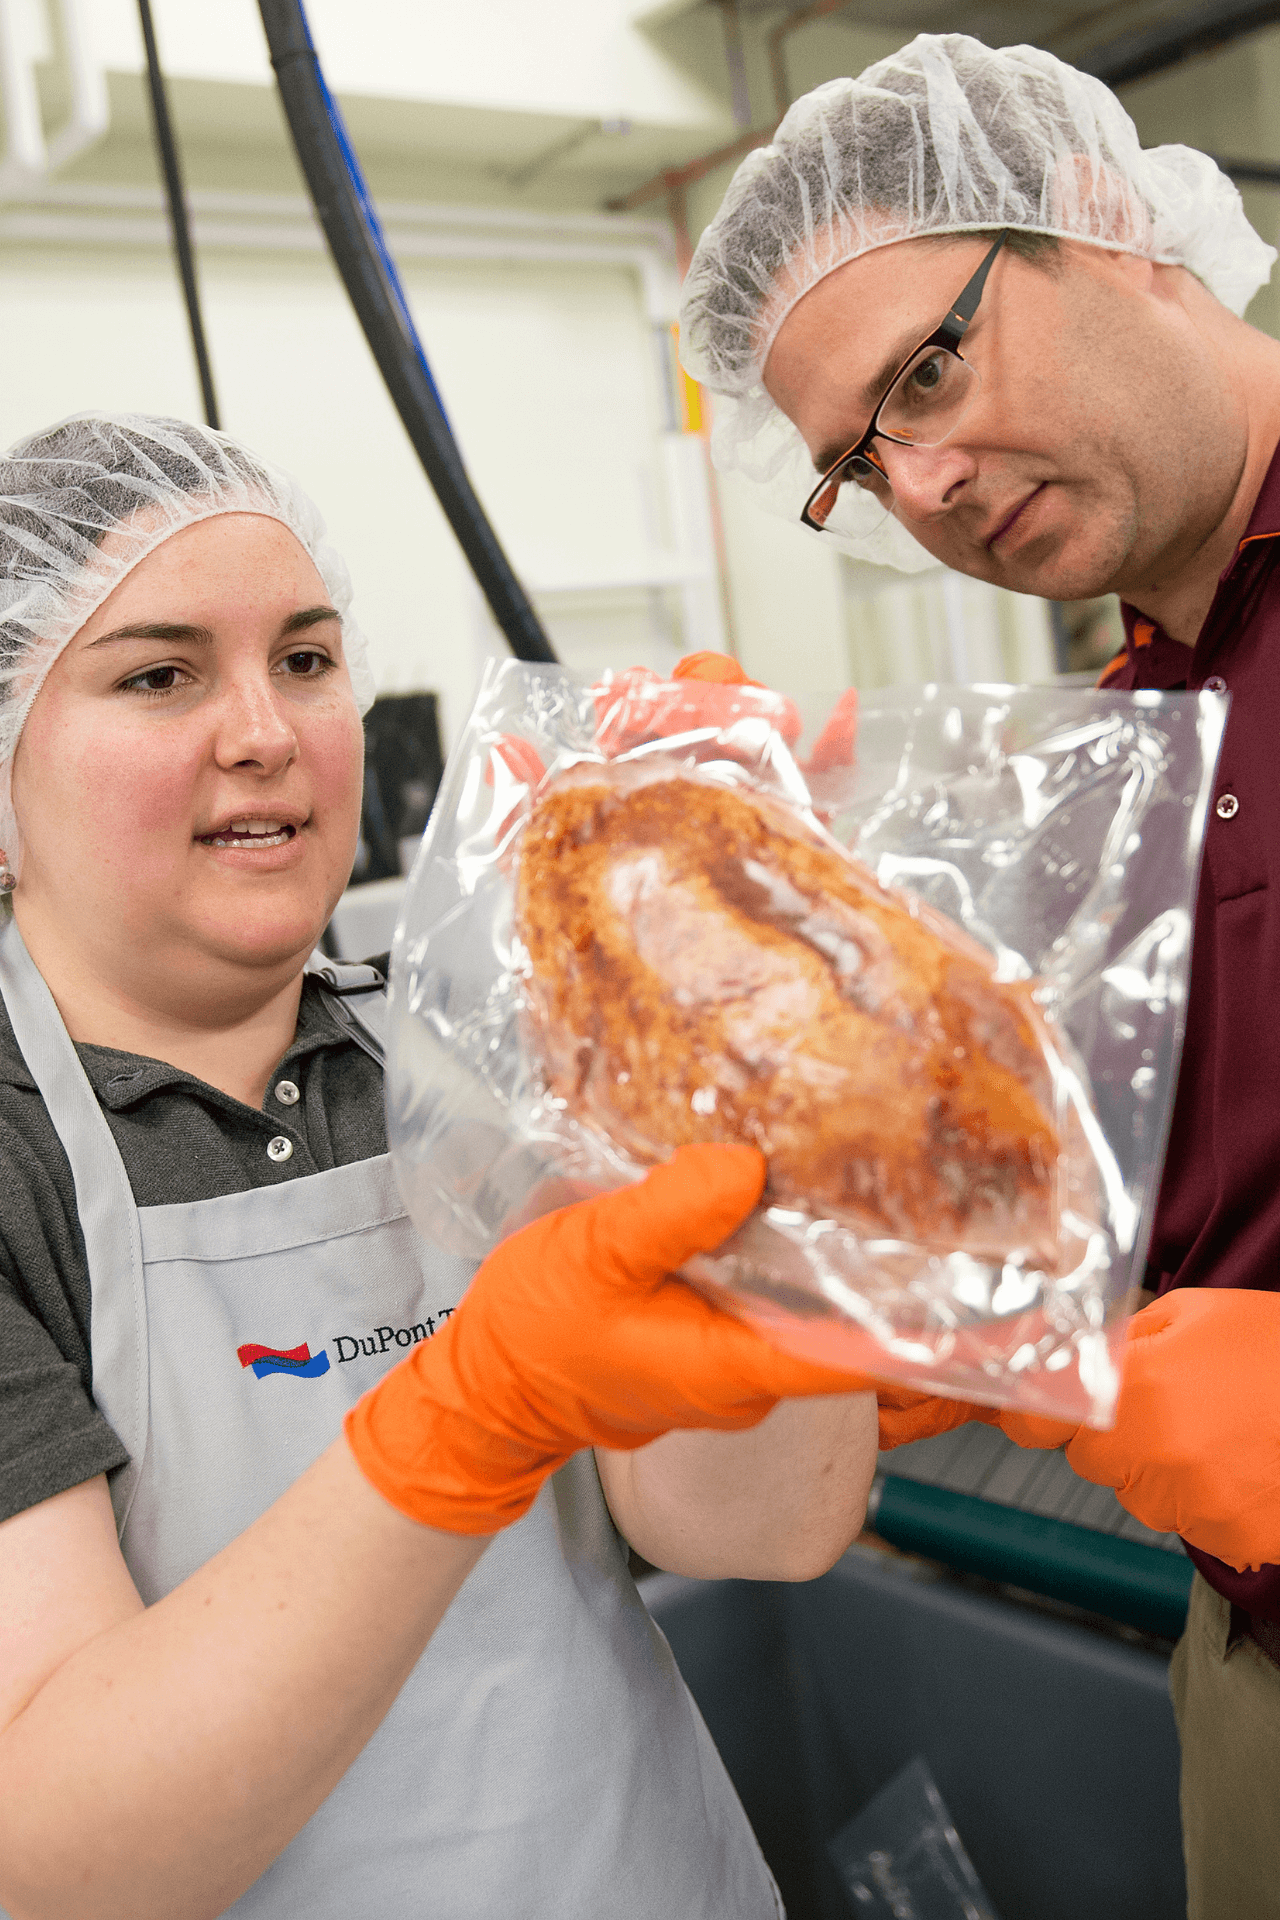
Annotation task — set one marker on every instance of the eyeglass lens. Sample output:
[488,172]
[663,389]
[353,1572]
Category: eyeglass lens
[928,399]
[922,408]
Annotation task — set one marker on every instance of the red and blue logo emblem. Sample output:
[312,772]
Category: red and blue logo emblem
[298,1361]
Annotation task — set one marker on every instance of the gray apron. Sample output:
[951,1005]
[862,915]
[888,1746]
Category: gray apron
[544,1758]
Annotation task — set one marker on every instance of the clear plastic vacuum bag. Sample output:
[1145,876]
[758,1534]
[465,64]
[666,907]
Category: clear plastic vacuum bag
[902,1859]
[940,988]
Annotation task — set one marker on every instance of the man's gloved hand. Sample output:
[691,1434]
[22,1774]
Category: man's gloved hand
[907,1415]
[574,1333]
[1196,1445]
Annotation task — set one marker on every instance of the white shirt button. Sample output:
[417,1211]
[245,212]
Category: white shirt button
[279,1149]
[1215,684]
[287,1093]
[1228,806]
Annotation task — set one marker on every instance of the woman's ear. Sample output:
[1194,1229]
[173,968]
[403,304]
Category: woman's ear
[10,838]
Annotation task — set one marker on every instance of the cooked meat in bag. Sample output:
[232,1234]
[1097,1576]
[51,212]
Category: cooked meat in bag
[703,965]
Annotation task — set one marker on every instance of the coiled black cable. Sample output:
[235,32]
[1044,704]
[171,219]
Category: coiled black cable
[355,240]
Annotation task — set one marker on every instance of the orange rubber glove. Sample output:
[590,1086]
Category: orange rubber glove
[1036,1429]
[907,1415]
[636,706]
[705,690]
[834,746]
[574,1333]
[1196,1445]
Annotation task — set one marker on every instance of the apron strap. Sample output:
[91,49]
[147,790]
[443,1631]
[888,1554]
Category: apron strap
[104,1201]
[357,998]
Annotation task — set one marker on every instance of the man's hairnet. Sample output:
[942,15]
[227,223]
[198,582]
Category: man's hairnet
[946,136]
[138,480]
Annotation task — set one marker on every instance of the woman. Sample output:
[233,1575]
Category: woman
[235,1672]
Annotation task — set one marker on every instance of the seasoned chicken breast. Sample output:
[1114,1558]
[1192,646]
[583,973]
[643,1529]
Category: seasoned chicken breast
[701,966]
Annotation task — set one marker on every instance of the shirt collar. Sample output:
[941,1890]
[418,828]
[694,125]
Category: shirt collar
[1162,662]
[124,1080]
[1264,521]
[1159,661]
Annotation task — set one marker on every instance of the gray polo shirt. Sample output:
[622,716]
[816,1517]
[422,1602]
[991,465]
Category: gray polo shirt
[180,1140]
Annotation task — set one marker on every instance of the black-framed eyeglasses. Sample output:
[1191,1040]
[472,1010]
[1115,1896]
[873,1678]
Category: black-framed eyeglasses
[923,405]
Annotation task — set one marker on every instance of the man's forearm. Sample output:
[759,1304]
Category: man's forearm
[781,1501]
[166,1763]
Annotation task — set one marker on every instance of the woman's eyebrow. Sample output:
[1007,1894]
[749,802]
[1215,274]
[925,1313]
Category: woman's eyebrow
[155,630]
[183,631]
[309,617]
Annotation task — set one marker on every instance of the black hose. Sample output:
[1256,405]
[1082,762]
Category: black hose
[337,195]
[171,168]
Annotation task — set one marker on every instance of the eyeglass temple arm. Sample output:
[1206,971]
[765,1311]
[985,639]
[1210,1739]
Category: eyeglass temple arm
[957,321]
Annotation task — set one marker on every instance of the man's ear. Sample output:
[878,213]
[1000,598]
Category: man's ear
[1090,200]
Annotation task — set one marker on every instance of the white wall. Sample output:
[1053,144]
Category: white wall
[549,376]
[808,619]
[548,372]
[579,57]
[787,597]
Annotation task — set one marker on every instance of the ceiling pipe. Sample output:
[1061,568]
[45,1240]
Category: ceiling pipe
[1142,51]
[28,156]
[675,180]
[739,91]
[25,152]
[1250,173]
[96,214]
[800,17]
[90,111]
[1118,62]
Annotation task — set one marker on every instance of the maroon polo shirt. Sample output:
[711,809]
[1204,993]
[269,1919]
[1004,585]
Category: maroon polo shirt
[1218,1218]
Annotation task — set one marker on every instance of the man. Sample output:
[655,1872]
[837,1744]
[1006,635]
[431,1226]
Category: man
[955,312]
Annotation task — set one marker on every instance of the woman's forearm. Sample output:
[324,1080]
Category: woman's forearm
[164,1764]
[780,1501]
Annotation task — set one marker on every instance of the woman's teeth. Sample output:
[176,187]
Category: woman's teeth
[250,833]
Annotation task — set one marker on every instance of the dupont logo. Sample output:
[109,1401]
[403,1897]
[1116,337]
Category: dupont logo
[298,1361]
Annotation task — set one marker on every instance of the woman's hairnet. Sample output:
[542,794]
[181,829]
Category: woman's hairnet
[138,480]
[945,136]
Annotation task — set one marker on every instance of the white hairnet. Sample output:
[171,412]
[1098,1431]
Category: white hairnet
[139,480]
[945,136]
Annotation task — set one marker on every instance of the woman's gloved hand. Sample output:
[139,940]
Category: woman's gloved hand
[1196,1445]
[704,690]
[713,690]
[637,706]
[906,1415]
[574,1333]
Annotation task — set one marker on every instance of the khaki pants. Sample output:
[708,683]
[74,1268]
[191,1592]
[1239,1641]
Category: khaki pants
[1226,1696]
